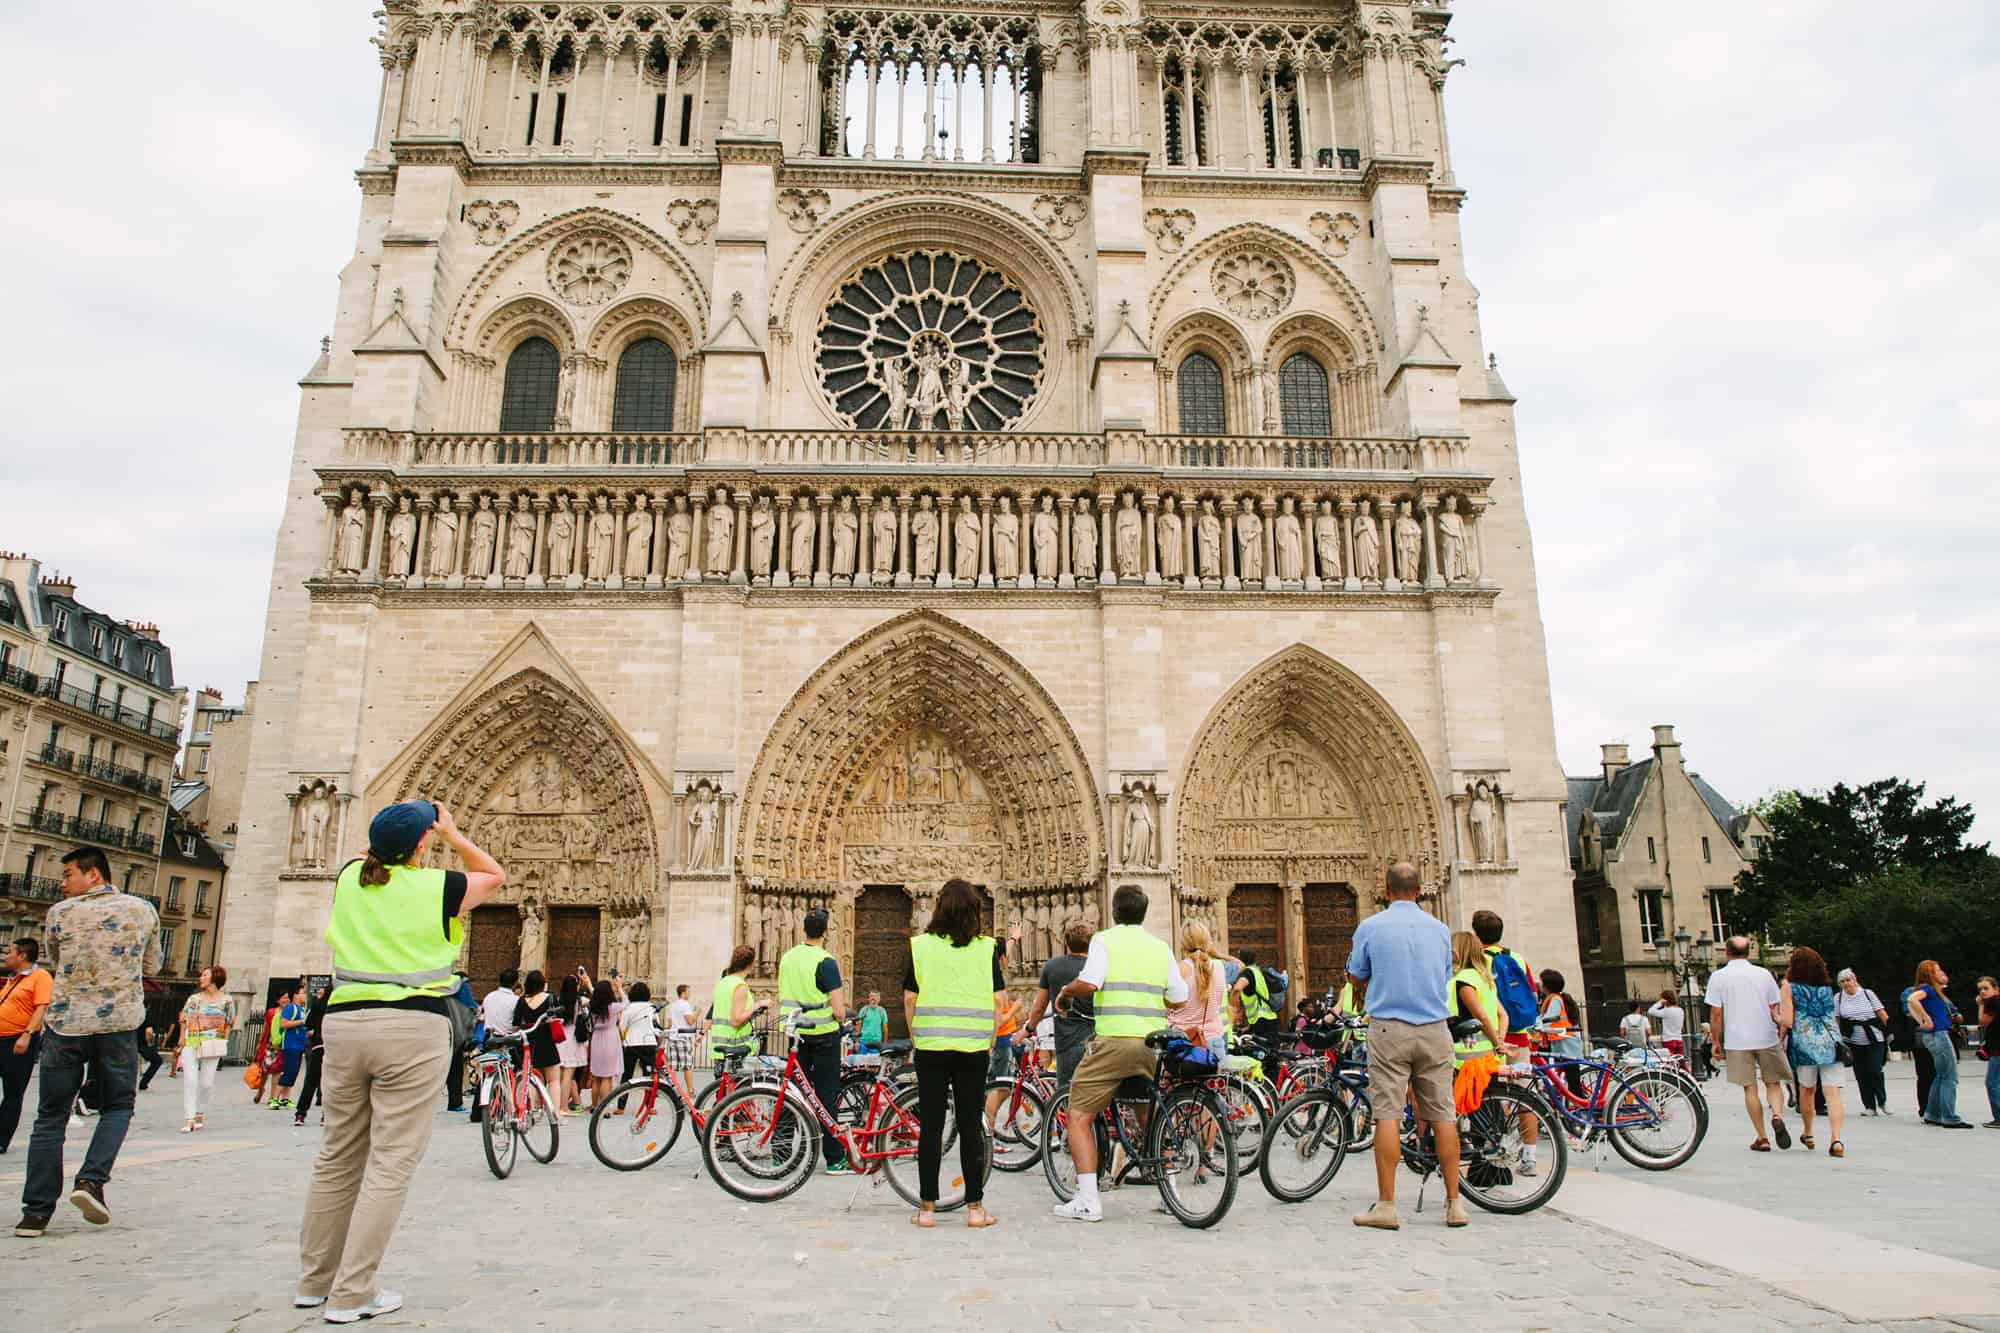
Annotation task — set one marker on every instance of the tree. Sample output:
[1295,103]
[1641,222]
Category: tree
[1883,924]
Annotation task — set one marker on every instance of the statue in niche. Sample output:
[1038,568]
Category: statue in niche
[353,534]
[444,538]
[894,378]
[1482,821]
[566,390]
[965,542]
[1409,545]
[721,533]
[1451,542]
[562,539]
[1046,534]
[603,536]
[1326,541]
[1249,543]
[924,534]
[1140,831]
[958,390]
[402,538]
[804,525]
[1126,536]
[1208,542]
[520,545]
[639,539]
[532,937]
[1167,529]
[485,536]
[1290,540]
[704,830]
[1083,542]
[846,531]
[680,535]
[763,528]
[1006,541]
[881,540]
[927,396]
[1367,547]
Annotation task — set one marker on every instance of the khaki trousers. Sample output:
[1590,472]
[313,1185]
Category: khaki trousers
[383,1070]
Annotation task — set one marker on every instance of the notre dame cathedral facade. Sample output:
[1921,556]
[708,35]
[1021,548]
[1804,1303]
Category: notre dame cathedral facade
[779,453]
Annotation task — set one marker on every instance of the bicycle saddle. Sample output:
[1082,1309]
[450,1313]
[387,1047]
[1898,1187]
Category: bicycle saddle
[1466,1027]
[890,1048]
[733,1050]
[1164,1038]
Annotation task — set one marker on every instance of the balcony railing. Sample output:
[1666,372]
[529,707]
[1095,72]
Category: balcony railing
[15,678]
[90,830]
[48,821]
[56,757]
[110,710]
[140,842]
[101,769]
[403,450]
[37,887]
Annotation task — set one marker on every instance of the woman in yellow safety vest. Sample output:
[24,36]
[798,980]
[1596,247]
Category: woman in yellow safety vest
[732,1009]
[951,992]
[1473,994]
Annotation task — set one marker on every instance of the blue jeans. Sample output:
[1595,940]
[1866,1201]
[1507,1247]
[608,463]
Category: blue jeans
[1942,1107]
[112,1059]
[1993,1088]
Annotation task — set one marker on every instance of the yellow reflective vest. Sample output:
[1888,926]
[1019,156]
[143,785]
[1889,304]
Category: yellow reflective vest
[954,994]
[388,941]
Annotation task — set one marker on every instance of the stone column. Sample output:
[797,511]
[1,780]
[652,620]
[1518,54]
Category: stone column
[579,535]
[1386,513]
[503,524]
[738,571]
[334,502]
[1150,504]
[1064,578]
[1189,512]
[1107,565]
[985,541]
[781,576]
[946,513]
[1346,511]
[614,577]
[460,543]
[663,508]
[1475,519]
[1269,509]
[1229,579]
[378,506]
[904,503]
[1309,510]
[824,577]
[1432,577]
[864,541]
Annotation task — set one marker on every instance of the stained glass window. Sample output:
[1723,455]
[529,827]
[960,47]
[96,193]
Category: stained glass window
[528,402]
[644,397]
[1199,383]
[1302,397]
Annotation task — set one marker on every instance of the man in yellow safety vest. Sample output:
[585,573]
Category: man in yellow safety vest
[809,993]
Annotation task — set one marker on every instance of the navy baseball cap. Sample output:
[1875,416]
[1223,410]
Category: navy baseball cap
[395,830]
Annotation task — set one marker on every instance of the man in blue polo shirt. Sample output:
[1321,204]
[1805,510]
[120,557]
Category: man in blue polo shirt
[1401,967]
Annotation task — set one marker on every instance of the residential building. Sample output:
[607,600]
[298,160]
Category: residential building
[193,881]
[208,793]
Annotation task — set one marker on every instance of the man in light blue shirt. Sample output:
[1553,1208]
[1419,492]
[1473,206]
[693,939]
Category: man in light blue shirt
[1401,969]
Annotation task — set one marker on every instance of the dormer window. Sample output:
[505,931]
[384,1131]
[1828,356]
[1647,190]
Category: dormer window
[97,638]
[62,620]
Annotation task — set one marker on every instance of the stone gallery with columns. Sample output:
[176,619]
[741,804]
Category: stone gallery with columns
[771,456]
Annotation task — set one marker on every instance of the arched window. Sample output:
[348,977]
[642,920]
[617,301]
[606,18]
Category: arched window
[644,399]
[1199,382]
[1302,399]
[528,402]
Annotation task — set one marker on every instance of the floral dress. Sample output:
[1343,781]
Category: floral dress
[1815,1031]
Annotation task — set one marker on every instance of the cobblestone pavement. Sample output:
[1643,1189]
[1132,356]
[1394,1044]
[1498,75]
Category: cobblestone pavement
[204,1233]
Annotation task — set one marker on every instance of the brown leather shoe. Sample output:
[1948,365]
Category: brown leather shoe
[88,1196]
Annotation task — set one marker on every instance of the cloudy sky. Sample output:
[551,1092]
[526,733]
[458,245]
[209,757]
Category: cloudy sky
[1737,262]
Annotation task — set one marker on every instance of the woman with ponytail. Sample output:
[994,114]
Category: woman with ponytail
[1200,1015]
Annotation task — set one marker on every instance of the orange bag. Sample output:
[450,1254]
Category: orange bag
[1468,1086]
[253,1076]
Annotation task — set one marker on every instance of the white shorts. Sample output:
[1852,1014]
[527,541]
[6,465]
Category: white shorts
[1824,1076]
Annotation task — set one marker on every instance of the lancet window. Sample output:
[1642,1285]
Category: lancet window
[528,400]
[930,87]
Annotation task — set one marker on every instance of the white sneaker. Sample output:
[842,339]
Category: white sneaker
[385,1302]
[1527,1161]
[305,1302]
[1076,1210]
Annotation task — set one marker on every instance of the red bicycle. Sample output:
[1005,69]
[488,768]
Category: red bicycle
[1017,1124]
[640,1121]
[516,1108]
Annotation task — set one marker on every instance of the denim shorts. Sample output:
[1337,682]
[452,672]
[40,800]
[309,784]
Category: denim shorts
[1001,1063]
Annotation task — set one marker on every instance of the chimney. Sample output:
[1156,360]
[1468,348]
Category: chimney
[144,631]
[1617,758]
[60,585]
[1666,749]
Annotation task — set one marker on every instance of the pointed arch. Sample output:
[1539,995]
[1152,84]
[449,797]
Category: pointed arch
[1360,325]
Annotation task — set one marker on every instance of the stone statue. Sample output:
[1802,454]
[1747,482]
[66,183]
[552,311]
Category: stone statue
[965,542]
[881,539]
[1139,830]
[566,391]
[958,392]
[521,544]
[1409,545]
[804,524]
[1249,543]
[639,539]
[532,938]
[1046,532]
[314,812]
[1083,542]
[402,538]
[680,535]
[1290,539]
[927,398]
[603,536]
[1367,547]
[562,539]
[353,534]
[1208,542]
[924,534]
[894,377]
[1006,541]
[1167,529]
[763,527]
[704,830]
[846,531]
[1326,540]
[720,535]
[1126,536]
[1452,551]
[485,539]
[444,538]
[1480,821]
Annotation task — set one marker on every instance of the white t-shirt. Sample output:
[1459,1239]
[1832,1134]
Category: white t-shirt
[498,1009]
[1099,959]
[1673,1019]
[1745,992]
[1635,1029]
[680,1015]
[636,1025]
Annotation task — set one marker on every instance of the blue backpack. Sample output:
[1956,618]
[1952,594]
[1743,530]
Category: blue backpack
[1186,1059]
[1517,996]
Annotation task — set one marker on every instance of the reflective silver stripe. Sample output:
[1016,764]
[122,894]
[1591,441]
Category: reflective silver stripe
[947,1011]
[981,1033]
[817,1011]
[430,978]
[1139,986]
[1128,1011]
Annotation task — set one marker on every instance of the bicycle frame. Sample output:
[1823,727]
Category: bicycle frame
[1587,1116]
[853,1142]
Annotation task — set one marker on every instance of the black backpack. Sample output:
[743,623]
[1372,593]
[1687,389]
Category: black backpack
[579,1030]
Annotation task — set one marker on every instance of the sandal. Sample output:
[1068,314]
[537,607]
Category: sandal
[925,1218]
[188,1128]
[1806,1139]
[978,1219]
[1836,1149]
[1761,1145]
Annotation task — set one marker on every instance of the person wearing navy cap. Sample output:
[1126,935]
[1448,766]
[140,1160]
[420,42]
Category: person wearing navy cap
[396,931]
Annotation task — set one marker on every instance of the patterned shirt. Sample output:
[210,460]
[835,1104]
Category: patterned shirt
[101,944]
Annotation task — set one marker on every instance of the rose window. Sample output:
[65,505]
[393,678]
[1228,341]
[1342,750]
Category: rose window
[1253,283]
[930,340]
[590,270]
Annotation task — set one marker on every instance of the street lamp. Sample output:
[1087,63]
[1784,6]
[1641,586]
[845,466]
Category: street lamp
[1689,959]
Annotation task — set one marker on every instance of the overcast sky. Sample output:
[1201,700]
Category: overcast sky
[1737,262]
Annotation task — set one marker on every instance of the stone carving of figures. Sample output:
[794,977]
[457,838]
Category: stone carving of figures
[1126,538]
[562,538]
[444,538]
[704,831]
[894,378]
[1208,542]
[927,397]
[1290,539]
[1367,547]
[881,539]
[803,527]
[402,538]
[353,534]
[566,391]
[1167,529]
[603,534]
[763,526]
[532,943]
[1006,541]
[965,542]
[721,533]
[639,540]
[1451,542]
[1139,831]
[680,535]
[846,529]
[1326,540]
[1083,543]
[924,780]
[958,391]
[924,533]
[521,544]
[1249,544]
[1479,821]
[485,539]
[1047,929]
[1045,532]
[1409,545]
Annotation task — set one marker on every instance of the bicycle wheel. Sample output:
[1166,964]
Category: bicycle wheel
[896,1130]
[1058,1167]
[850,1104]
[540,1129]
[760,1145]
[644,1132]
[1489,1152]
[1305,1147]
[1016,1141]
[1249,1108]
[496,1130]
[1195,1156]
[1654,1125]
